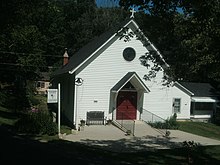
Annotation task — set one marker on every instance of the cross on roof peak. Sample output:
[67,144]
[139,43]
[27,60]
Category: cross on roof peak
[132,13]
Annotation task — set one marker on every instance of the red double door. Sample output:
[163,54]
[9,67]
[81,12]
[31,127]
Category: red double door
[126,105]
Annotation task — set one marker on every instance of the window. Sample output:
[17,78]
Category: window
[176,105]
[129,54]
[202,106]
[40,84]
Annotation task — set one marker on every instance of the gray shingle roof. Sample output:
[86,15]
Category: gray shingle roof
[200,89]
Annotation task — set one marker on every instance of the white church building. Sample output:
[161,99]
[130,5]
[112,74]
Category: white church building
[107,76]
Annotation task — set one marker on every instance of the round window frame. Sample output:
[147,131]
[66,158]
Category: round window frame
[129,54]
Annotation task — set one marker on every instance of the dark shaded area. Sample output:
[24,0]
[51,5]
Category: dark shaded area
[201,89]
[136,144]
[23,149]
[8,115]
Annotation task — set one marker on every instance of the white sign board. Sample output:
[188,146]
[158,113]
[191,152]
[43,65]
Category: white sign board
[52,96]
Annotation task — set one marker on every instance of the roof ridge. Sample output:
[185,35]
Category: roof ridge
[90,47]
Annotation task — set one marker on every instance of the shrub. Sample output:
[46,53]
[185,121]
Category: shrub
[3,97]
[33,100]
[170,123]
[158,124]
[190,147]
[36,122]
[216,117]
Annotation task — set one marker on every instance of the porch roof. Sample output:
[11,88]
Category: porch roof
[134,79]
[204,99]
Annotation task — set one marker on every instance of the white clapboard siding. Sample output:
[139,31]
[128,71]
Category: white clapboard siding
[107,69]
[185,103]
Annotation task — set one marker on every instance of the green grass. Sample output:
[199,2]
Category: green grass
[7,117]
[65,129]
[203,129]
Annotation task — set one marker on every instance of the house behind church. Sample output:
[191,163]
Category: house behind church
[43,83]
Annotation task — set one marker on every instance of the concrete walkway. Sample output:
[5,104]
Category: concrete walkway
[146,138]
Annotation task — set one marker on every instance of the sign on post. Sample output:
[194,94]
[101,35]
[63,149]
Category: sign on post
[52,96]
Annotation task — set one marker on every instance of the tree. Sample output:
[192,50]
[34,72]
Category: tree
[188,40]
[34,34]
[199,32]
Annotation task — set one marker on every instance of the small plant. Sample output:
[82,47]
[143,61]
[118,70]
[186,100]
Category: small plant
[159,125]
[108,122]
[82,122]
[167,134]
[128,132]
[172,123]
[190,146]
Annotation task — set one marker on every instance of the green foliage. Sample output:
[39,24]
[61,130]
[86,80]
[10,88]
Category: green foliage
[158,124]
[33,35]
[186,33]
[3,97]
[202,129]
[33,100]
[37,119]
[191,148]
[216,117]
[36,122]
[170,123]
[190,145]
[16,101]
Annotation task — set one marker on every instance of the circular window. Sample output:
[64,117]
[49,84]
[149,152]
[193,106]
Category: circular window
[129,54]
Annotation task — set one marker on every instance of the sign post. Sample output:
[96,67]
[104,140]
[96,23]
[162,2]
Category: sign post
[59,109]
[53,96]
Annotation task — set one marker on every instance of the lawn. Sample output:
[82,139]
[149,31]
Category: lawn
[7,117]
[203,129]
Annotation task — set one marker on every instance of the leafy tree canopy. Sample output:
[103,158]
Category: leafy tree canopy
[35,33]
[187,34]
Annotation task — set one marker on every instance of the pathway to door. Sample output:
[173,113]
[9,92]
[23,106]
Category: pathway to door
[146,138]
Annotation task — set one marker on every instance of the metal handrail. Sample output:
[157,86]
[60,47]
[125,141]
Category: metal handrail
[125,126]
[153,116]
[119,125]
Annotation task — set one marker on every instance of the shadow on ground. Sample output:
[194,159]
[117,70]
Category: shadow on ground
[135,144]
[17,149]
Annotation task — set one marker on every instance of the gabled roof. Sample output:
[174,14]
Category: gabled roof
[135,81]
[88,49]
[198,89]
[44,76]
[92,47]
